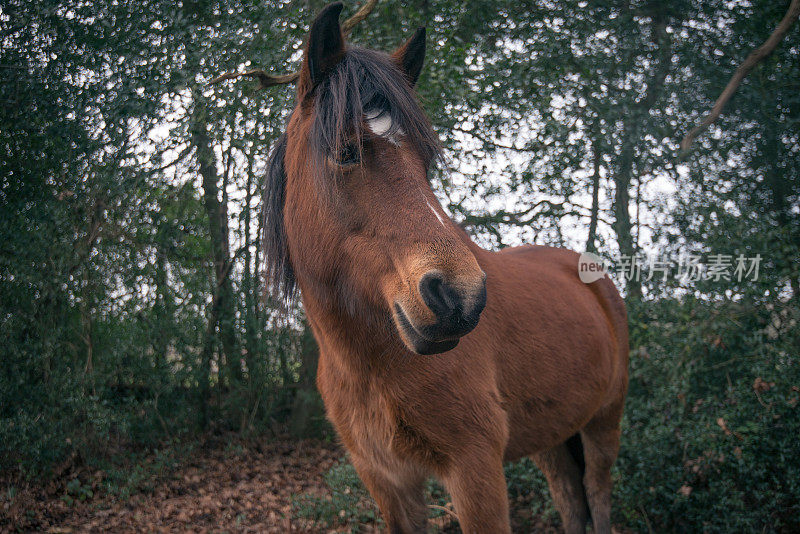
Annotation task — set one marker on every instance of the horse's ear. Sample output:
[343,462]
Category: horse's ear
[411,55]
[325,47]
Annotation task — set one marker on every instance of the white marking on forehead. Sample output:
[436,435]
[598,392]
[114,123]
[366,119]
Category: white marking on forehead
[380,123]
[432,208]
[438,215]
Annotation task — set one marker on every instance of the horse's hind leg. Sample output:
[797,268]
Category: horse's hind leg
[564,479]
[600,438]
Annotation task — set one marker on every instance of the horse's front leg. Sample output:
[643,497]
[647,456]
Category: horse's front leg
[399,494]
[477,486]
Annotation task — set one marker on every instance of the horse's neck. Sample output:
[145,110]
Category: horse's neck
[359,339]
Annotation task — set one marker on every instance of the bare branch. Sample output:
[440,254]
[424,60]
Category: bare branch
[266,80]
[485,140]
[755,57]
[358,16]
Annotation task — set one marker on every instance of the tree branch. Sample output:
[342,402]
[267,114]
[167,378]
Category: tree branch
[474,133]
[266,80]
[755,57]
[358,16]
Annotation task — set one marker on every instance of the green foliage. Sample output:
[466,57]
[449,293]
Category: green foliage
[76,491]
[527,490]
[709,440]
[131,472]
[349,504]
[105,265]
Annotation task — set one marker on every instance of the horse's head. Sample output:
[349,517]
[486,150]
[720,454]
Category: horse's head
[349,211]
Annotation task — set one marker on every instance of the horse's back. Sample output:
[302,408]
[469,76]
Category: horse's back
[560,265]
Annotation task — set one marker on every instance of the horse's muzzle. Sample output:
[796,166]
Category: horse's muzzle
[456,308]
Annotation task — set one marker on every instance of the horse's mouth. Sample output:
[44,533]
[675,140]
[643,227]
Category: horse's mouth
[416,341]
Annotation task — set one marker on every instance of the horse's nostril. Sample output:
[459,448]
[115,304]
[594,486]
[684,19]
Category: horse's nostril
[437,294]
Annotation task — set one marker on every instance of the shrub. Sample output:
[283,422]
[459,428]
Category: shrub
[711,423]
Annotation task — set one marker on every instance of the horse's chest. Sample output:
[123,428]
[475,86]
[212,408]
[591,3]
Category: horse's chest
[362,415]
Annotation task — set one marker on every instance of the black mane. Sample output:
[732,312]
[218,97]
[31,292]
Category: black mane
[365,80]
[278,271]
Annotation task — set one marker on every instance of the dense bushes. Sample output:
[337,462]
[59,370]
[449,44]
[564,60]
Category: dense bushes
[712,419]
[52,408]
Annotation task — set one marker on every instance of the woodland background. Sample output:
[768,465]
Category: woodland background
[131,320]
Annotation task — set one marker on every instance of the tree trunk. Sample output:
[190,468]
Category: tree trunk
[632,131]
[306,401]
[217,212]
[622,216]
[206,357]
[591,245]
[163,311]
[250,322]
[780,192]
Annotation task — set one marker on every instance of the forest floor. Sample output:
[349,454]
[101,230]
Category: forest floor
[214,489]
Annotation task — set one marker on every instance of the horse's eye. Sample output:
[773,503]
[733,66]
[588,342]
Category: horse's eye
[349,155]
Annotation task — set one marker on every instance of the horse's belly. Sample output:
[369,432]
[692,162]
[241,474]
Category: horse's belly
[530,433]
[549,411]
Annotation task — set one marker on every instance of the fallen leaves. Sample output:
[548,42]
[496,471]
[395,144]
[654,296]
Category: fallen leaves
[249,491]
[216,490]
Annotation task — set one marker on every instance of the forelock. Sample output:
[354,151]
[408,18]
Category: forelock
[368,86]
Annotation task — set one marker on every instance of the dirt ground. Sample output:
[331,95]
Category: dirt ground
[215,489]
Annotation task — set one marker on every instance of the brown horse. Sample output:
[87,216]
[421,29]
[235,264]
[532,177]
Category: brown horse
[436,357]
